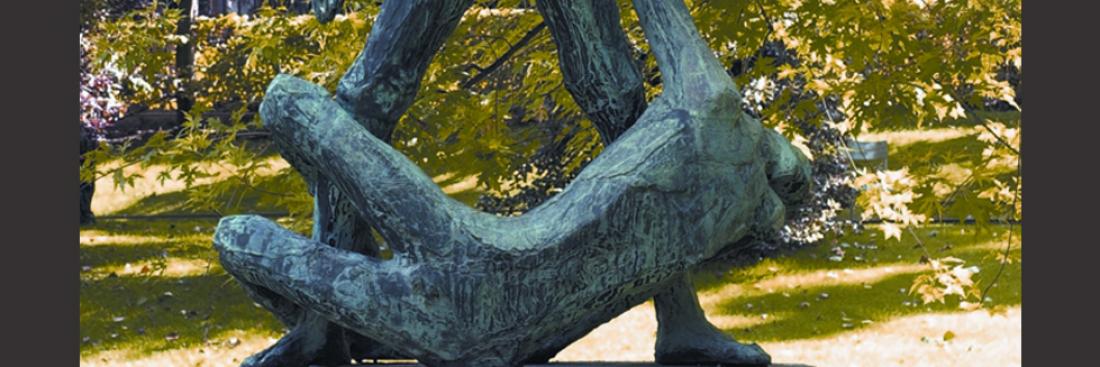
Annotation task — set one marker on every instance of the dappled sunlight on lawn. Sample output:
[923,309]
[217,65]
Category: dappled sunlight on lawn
[806,306]
[976,338]
[100,238]
[152,286]
[226,349]
[170,268]
[822,294]
[148,314]
[787,283]
[109,199]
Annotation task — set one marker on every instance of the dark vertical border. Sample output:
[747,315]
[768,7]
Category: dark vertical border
[40,264]
[1060,150]
[40,178]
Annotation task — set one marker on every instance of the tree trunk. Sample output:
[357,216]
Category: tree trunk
[87,188]
[185,56]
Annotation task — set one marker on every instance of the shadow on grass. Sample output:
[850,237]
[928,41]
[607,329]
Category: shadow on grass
[134,313]
[115,243]
[148,314]
[159,228]
[259,199]
[255,199]
[811,312]
[802,312]
[866,250]
[113,254]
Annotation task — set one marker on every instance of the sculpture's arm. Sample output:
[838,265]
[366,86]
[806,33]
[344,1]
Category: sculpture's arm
[377,89]
[382,82]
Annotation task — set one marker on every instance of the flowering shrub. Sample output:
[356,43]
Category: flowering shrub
[100,92]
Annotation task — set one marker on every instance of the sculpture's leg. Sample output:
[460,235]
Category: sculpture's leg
[684,336]
[337,222]
[321,343]
[382,82]
[312,339]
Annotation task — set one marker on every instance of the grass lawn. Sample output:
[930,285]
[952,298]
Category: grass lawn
[153,291]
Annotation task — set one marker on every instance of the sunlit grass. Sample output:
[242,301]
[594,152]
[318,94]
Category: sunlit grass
[150,196]
[980,339]
[868,317]
[869,285]
[109,199]
[192,315]
[191,303]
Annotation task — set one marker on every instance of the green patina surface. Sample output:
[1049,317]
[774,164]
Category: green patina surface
[690,177]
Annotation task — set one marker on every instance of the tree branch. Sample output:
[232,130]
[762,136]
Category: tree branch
[999,138]
[484,72]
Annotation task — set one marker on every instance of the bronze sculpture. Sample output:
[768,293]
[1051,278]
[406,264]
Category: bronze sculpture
[682,180]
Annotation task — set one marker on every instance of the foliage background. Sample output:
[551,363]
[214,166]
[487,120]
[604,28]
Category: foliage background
[492,109]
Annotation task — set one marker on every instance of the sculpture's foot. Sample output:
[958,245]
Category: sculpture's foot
[710,348]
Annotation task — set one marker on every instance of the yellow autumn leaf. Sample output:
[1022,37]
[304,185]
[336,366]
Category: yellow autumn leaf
[891,230]
[820,85]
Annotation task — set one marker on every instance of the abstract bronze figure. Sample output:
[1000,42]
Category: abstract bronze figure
[681,180]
